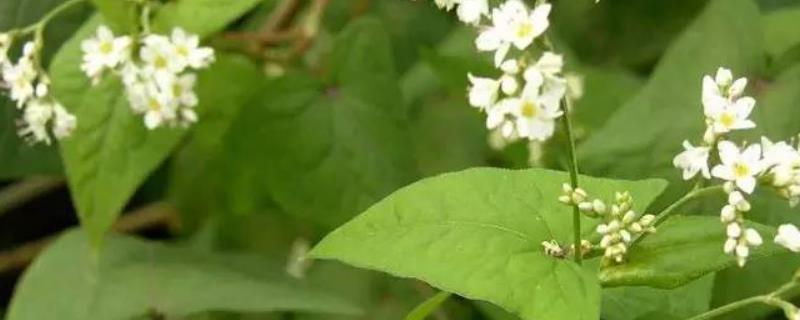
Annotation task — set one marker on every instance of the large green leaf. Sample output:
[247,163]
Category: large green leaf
[659,260]
[202,17]
[644,303]
[120,15]
[132,277]
[197,179]
[780,30]
[325,151]
[778,111]
[111,152]
[478,233]
[644,135]
[19,158]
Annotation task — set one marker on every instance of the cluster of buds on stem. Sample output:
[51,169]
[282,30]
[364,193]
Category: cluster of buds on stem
[620,224]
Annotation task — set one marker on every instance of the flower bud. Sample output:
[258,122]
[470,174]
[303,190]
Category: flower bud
[647,220]
[599,206]
[628,217]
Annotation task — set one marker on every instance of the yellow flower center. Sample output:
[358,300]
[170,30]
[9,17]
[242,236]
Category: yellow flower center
[182,51]
[153,104]
[524,29]
[160,62]
[741,170]
[529,109]
[727,119]
[106,47]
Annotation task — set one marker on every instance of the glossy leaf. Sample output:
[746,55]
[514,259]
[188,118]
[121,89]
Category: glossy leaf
[132,277]
[478,233]
[659,260]
[632,303]
[120,15]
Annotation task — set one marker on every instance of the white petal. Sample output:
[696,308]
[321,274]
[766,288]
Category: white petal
[747,184]
[728,152]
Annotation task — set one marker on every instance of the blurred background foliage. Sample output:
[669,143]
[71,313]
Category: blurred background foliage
[293,142]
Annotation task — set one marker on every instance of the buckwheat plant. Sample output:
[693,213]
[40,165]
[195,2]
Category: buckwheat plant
[157,70]
[27,83]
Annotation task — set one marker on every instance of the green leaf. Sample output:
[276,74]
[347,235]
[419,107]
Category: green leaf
[428,306]
[111,152]
[325,152]
[632,303]
[202,17]
[478,234]
[132,277]
[780,30]
[197,177]
[644,135]
[777,111]
[659,260]
[121,15]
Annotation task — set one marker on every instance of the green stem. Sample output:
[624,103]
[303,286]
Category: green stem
[695,193]
[42,23]
[662,216]
[428,306]
[573,177]
[772,299]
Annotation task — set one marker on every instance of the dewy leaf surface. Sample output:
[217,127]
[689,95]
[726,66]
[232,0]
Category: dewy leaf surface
[683,249]
[478,233]
[133,278]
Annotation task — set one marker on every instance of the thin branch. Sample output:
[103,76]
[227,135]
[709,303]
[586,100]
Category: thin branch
[280,16]
[19,193]
[143,218]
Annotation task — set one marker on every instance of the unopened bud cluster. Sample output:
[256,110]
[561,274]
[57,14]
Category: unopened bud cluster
[620,226]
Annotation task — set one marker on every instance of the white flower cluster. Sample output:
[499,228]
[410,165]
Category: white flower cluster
[525,101]
[29,86]
[159,80]
[776,165]
[469,11]
[621,225]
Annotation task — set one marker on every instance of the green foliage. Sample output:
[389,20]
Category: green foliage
[428,306]
[325,150]
[111,152]
[659,260]
[120,15]
[17,157]
[202,17]
[488,224]
[780,30]
[632,303]
[646,133]
[132,277]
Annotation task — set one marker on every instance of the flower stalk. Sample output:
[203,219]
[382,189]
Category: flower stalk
[573,175]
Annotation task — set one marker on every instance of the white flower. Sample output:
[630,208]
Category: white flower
[446,4]
[778,153]
[693,160]
[64,123]
[159,109]
[470,11]
[161,60]
[739,167]
[497,118]
[509,84]
[188,52]
[728,116]
[20,79]
[788,237]
[103,51]
[548,67]
[482,92]
[535,114]
[182,90]
[722,86]
[37,114]
[513,24]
